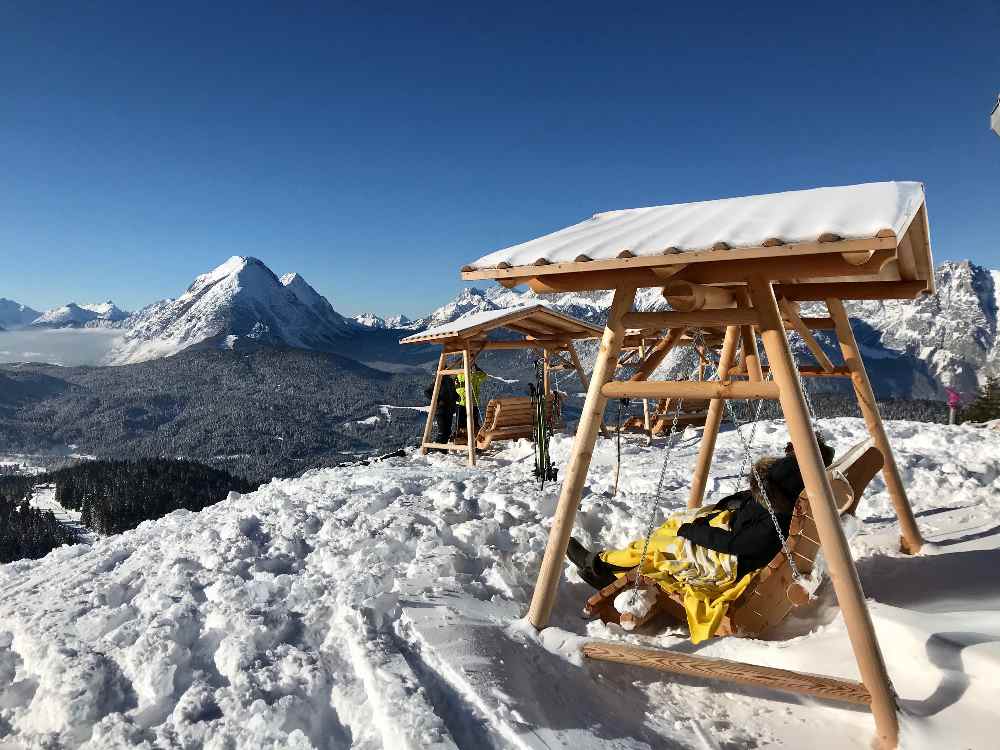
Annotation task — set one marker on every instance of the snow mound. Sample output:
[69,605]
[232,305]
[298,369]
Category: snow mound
[378,606]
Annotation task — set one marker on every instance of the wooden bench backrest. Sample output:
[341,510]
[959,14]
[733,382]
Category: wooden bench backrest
[772,595]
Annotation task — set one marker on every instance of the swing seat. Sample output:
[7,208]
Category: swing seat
[507,419]
[773,593]
[693,414]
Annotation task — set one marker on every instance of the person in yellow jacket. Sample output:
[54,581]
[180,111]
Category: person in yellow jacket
[710,554]
[477,377]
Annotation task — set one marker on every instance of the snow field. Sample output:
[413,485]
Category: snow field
[379,606]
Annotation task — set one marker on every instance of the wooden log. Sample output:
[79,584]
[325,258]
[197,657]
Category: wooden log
[591,420]
[706,449]
[820,291]
[714,318]
[784,680]
[684,296]
[823,505]
[447,446]
[791,316]
[470,406]
[434,399]
[658,353]
[686,389]
[912,540]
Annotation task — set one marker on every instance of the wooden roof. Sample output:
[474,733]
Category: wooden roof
[876,232]
[536,322]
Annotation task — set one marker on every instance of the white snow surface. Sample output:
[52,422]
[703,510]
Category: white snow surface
[378,606]
[851,211]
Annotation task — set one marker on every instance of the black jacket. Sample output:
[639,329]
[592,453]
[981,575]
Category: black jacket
[447,395]
[751,537]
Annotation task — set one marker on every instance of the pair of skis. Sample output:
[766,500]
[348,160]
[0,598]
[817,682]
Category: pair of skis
[544,470]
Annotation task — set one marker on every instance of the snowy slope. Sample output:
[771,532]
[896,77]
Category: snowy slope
[15,315]
[378,606]
[240,301]
[72,315]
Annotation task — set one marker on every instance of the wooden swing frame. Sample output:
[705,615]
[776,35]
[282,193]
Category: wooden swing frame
[764,282]
[549,332]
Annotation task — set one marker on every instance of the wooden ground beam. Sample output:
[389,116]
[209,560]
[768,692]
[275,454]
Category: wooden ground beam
[785,680]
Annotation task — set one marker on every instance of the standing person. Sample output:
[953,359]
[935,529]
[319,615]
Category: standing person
[444,412]
[478,376]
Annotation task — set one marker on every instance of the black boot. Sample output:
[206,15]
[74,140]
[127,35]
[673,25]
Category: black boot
[590,566]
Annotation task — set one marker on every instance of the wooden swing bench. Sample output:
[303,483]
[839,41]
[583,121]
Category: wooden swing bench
[773,593]
[507,419]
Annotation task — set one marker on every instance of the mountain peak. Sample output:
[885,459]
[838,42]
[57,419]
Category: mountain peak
[241,298]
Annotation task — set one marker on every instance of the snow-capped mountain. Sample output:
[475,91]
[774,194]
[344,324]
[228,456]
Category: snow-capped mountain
[369,320]
[242,302]
[394,322]
[15,315]
[72,315]
[913,348]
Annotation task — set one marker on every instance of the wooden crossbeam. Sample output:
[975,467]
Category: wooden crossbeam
[676,319]
[446,446]
[791,315]
[785,680]
[738,389]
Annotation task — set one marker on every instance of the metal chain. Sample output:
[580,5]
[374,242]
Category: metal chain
[654,505]
[748,459]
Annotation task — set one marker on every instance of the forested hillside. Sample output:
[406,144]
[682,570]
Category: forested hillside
[257,414]
[26,532]
[114,496]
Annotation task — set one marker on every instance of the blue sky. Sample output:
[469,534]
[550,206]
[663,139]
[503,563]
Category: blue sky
[377,150]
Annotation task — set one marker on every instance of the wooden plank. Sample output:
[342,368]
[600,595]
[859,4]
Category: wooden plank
[676,319]
[851,290]
[686,389]
[687,257]
[446,446]
[784,680]
[805,268]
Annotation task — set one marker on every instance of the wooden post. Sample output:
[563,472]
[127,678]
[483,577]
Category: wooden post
[434,400]
[843,574]
[911,540]
[470,404]
[591,419]
[645,401]
[584,380]
[712,421]
[545,373]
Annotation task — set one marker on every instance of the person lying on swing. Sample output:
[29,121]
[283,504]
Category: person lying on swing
[738,530]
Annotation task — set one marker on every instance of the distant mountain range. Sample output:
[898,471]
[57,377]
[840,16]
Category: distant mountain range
[913,348]
[14,315]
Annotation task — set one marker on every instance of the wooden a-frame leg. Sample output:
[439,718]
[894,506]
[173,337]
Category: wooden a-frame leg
[434,400]
[715,411]
[591,420]
[843,573]
[911,540]
[470,404]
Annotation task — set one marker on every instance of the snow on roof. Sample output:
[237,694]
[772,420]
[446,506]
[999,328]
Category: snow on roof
[488,320]
[849,212]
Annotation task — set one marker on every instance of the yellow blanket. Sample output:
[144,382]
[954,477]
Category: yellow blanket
[706,579]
